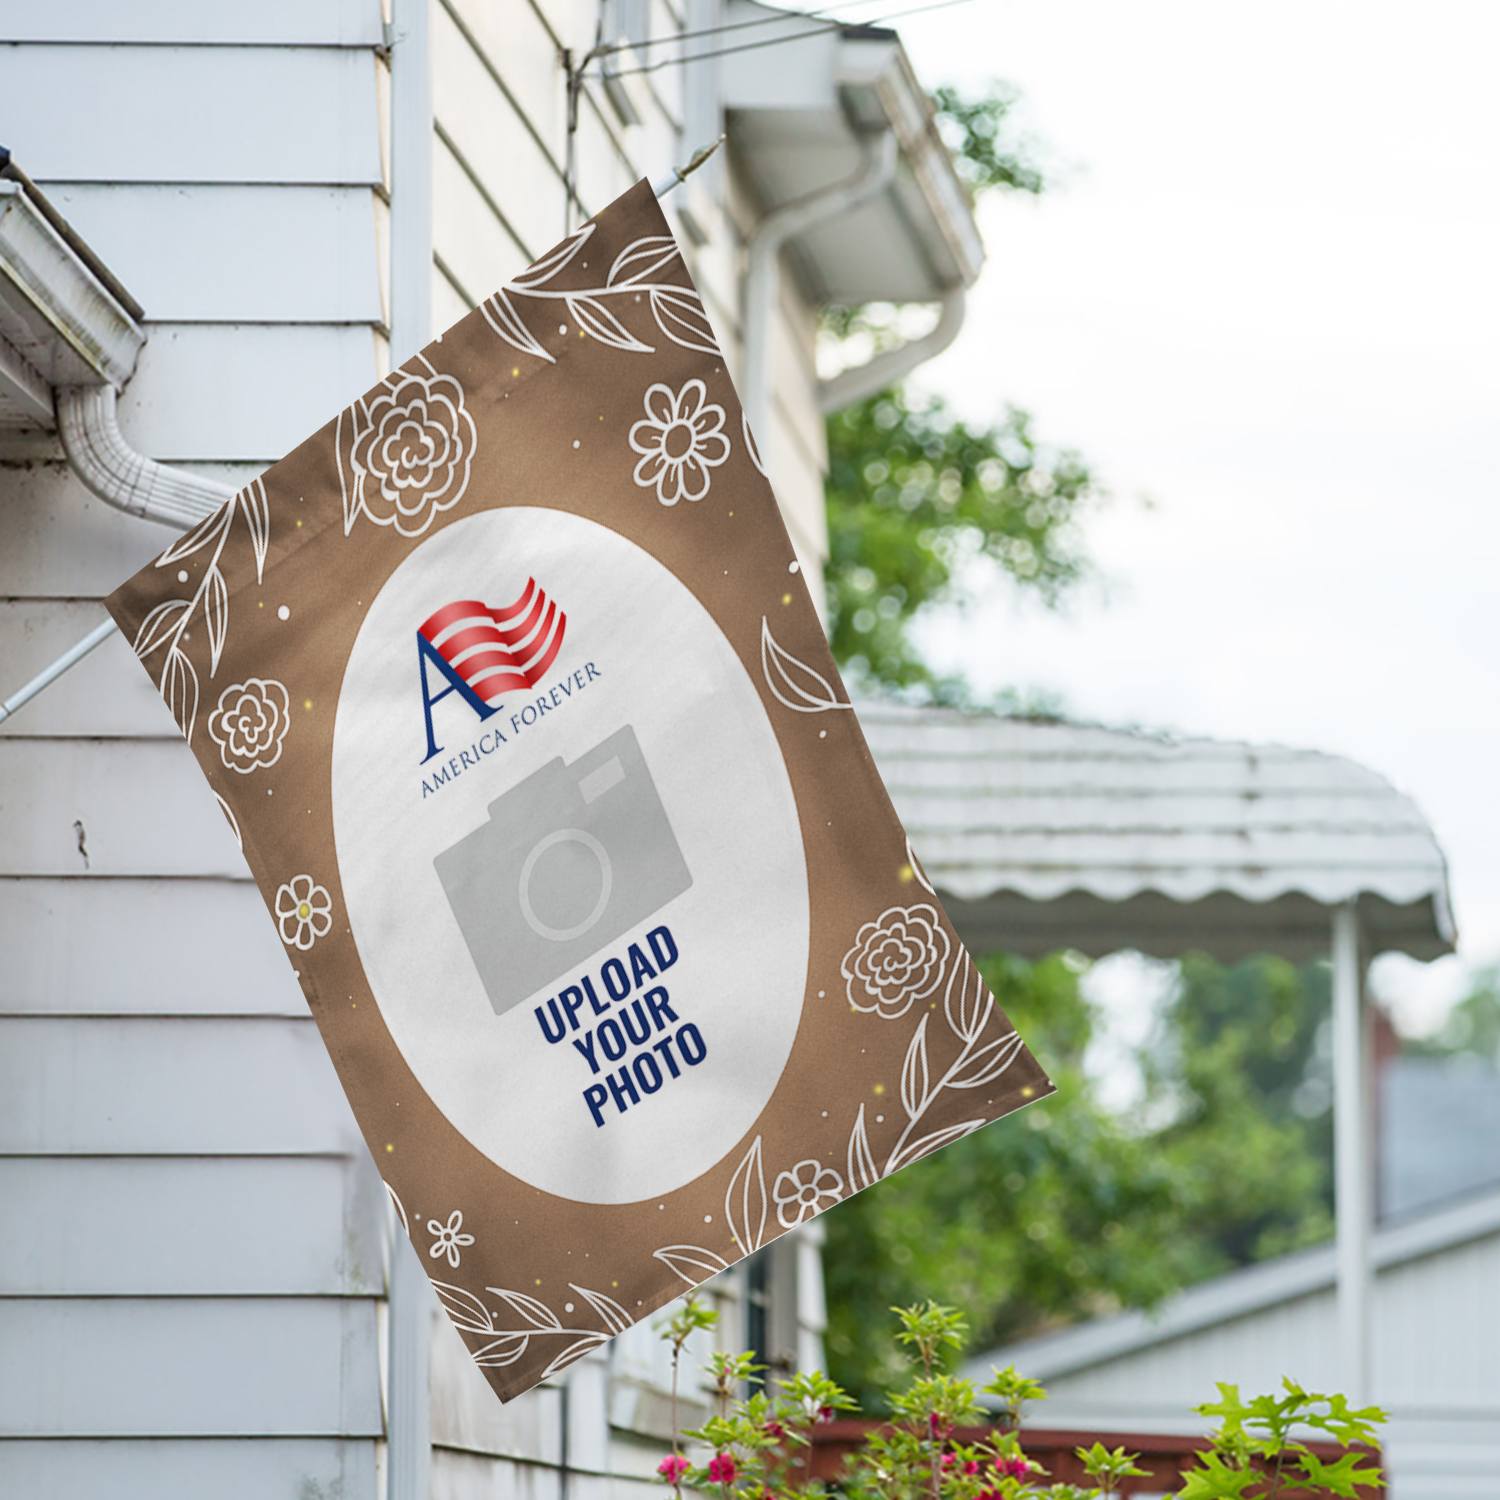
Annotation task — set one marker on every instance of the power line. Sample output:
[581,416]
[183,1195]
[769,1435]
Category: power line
[776,41]
[637,44]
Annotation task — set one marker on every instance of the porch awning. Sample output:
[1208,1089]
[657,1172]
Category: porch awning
[1042,835]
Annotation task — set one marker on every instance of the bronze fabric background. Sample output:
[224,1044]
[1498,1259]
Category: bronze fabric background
[590,385]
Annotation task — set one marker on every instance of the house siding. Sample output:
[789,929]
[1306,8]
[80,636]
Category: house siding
[192,1275]
[195,1241]
[1436,1325]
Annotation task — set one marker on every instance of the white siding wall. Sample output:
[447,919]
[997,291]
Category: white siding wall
[500,145]
[192,1256]
[1437,1326]
[192,1250]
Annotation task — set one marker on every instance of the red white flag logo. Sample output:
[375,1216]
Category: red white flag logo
[485,652]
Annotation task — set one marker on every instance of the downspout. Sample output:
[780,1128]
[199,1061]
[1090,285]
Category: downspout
[862,381]
[110,468]
[763,268]
[98,453]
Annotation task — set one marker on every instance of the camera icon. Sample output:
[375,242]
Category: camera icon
[570,859]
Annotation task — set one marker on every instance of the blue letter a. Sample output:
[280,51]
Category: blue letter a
[427,654]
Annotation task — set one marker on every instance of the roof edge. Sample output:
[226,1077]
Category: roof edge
[1240,1293]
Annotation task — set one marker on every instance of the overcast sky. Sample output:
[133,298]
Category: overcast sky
[1264,294]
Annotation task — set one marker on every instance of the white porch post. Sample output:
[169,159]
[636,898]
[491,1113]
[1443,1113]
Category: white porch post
[1353,1197]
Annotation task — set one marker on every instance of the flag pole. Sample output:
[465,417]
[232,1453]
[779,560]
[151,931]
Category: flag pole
[664,185]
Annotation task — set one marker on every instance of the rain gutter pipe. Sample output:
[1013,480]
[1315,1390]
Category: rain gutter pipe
[763,271]
[893,365]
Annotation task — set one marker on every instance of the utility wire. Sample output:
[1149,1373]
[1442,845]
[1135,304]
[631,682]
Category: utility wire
[776,41]
[637,44]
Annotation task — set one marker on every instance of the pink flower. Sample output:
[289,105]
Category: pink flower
[721,1469]
[673,1467]
[1015,1468]
[947,1461]
[774,1429]
[938,1425]
[825,1414]
[972,1466]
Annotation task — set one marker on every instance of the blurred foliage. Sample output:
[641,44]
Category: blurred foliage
[916,498]
[1471,1028]
[1073,1209]
[979,132]
[921,503]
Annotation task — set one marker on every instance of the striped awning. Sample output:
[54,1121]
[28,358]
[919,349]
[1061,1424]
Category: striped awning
[1043,835]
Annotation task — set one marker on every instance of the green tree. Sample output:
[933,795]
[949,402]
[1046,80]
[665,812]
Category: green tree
[1472,1027]
[921,503]
[1071,1209]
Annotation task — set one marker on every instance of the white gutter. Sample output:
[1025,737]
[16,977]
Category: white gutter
[885,369]
[110,468]
[763,271]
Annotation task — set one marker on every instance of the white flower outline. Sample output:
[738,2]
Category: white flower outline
[805,1190]
[250,724]
[896,960]
[448,1238]
[304,912]
[413,448]
[673,417]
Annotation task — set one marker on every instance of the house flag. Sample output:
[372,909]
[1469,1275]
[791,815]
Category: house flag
[509,686]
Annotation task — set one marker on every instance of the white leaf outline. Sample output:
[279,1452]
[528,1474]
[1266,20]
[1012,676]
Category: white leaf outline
[555,260]
[862,1171]
[751,446]
[918,873]
[256,505]
[394,1196]
[678,1258]
[166,622]
[642,259]
[680,314]
[204,532]
[179,686]
[611,1314]
[234,828]
[944,1136]
[745,1200]
[987,1063]
[500,313]
[500,1352]
[777,665]
[638,273]
[598,322]
[215,616]
[155,628]
[576,1351]
[531,1309]
[916,1080]
[967,1001]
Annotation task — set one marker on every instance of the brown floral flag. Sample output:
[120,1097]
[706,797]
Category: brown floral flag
[508,685]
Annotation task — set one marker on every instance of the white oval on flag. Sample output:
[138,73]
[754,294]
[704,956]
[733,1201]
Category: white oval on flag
[581,903]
